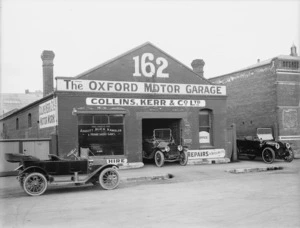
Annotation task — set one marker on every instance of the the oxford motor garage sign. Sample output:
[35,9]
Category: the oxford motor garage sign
[139,87]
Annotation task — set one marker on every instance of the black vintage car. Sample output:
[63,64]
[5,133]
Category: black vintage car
[35,174]
[263,145]
[161,147]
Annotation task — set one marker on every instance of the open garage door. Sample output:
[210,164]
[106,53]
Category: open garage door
[148,125]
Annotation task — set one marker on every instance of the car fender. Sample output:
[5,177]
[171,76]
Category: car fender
[268,145]
[32,169]
[100,169]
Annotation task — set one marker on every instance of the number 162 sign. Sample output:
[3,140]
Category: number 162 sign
[144,65]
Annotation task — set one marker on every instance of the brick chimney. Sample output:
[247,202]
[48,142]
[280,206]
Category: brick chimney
[198,65]
[47,58]
[293,51]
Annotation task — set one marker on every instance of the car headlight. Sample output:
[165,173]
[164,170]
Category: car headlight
[179,147]
[167,149]
[288,145]
[277,146]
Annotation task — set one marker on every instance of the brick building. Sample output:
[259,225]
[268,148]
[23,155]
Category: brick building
[266,94]
[111,107]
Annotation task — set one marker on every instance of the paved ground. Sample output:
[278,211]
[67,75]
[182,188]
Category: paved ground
[196,196]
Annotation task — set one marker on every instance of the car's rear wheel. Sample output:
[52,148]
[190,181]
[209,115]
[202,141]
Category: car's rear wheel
[159,158]
[290,156]
[183,158]
[268,155]
[35,184]
[109,178]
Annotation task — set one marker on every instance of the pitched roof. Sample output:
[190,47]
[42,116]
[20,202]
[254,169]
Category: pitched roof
[132,50]
[11,102]
[262,63]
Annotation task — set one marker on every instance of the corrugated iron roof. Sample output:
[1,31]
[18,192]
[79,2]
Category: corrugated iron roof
[15,101]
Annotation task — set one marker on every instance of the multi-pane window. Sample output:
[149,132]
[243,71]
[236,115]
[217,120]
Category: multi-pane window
[205,127]
[101,134]
[290,65]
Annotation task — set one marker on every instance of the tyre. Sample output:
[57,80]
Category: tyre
[183,158]
[109,178]
[268,155]
[289,157]
[35,184]
[159,158]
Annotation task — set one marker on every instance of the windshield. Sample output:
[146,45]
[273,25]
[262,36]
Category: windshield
[164,134]
[265,133]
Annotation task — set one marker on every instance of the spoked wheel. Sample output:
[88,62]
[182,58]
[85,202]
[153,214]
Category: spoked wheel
[35,184]
[290,156]
[109,178]
[159,158]
[183,158]
[268,155]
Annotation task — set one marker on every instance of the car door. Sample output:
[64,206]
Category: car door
[78,166]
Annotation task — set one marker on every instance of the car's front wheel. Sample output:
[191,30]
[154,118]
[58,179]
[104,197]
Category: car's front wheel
[183,158]
[268,155]
[35,184]
[109,178]
[290,156]
[159,158]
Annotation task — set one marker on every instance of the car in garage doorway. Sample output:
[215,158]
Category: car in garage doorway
[265,146]
[161,147]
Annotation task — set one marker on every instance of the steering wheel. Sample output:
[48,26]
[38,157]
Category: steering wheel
[73,153]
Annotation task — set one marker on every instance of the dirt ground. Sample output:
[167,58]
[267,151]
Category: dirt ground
[197,196]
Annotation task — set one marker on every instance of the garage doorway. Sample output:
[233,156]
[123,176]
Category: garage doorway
[148,125]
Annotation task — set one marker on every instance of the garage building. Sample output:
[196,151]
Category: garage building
[112,107]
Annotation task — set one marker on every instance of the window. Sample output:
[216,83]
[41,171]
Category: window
[102,134]
[290,65]
[17,123]
[205,127]
[29,120]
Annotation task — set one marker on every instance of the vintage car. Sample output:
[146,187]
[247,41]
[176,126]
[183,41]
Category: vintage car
[263,145]
[35,174]
[161,147]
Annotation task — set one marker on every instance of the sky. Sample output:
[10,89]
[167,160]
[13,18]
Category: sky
[227,35]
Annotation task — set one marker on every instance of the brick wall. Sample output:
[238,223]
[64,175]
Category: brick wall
[10,131]
[251,101]
[288,105]
[68,128]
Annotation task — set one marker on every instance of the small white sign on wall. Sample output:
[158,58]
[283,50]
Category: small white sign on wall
[116,161]
[204,137]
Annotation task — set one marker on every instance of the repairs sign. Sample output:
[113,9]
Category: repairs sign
[206,153]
